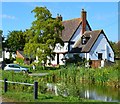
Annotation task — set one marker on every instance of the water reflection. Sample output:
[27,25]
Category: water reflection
[93,92]
[93,95]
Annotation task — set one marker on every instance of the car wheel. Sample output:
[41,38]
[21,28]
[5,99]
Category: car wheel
[24,71]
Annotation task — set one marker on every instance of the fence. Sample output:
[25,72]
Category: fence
[35,85]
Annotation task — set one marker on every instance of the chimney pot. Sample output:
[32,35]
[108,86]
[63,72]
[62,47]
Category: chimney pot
[59,17]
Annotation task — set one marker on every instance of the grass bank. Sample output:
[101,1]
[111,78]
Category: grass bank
[27,97]
[70,74]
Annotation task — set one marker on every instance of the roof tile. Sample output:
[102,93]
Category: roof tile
[70,27]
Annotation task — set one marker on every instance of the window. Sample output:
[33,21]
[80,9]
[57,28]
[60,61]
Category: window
[109,54]
[15,66]
[58,47]
[85,40]
[100,56]
[11,66]
[66,47]
[72,42]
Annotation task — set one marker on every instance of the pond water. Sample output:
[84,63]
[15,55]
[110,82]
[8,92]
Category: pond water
[93,92]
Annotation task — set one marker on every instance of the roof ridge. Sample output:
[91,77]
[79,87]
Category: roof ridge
[93,31]
[71,19]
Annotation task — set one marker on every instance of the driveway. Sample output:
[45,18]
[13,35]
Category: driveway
[39,74]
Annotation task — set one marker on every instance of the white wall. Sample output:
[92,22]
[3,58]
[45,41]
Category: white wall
[78,34]
[1,59]
[6,55]
[60,49]
[54,62]
[101,46]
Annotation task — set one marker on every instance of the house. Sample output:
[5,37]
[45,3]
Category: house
[5,55]
[21,55]
[80,39]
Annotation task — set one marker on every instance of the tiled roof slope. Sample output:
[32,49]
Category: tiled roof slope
[70,27]
[93,37]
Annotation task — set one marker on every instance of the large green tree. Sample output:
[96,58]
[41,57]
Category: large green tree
[116,48]
[15,41]
[45,33]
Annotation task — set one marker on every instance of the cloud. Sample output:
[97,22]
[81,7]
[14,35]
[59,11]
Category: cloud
[7,16]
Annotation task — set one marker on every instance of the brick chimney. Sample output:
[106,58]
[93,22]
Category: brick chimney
[59,17]
[83,16]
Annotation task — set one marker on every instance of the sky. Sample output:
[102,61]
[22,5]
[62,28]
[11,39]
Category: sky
[100,15]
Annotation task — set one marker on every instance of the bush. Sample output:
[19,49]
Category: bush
[8,61]
[20,60]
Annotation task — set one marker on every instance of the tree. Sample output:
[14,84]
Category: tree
[116,48]
[3,44]
[15,41]
[47,32]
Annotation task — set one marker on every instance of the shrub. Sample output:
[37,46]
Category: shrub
[20,60]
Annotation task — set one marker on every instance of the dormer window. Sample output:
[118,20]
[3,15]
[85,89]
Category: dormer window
[85,40]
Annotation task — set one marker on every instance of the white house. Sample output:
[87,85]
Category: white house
[80,39]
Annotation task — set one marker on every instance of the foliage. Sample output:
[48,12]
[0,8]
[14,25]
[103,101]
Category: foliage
[8,61]
[2,41]
[65,78]
[15,41]
[20,60]
[28,97]
[116,48]
[47,31]
[76,60]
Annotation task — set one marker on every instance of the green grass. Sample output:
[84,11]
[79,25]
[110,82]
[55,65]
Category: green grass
[28,97]
[71,74]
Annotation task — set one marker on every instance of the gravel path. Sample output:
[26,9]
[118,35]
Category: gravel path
[39,74]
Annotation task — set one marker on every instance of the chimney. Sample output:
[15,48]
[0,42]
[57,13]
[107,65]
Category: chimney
[83,16]
[59,17]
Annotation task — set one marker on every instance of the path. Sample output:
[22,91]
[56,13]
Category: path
[39,74]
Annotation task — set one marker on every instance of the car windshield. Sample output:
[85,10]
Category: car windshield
[14,66]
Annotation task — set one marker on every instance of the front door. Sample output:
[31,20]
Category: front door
[100,56]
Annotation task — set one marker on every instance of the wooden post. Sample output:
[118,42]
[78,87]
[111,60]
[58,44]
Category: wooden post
[35,90]
[5,85]
[54,78]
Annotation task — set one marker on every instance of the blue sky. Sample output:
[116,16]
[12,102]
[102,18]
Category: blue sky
[100,15]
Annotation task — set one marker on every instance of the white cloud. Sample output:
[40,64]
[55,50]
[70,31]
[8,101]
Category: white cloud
[7,16]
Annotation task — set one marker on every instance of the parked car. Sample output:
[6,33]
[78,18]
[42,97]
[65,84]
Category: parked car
[15,67]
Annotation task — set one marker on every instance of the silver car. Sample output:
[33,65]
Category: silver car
[15,67]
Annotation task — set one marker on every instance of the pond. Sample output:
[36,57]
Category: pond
[94,92]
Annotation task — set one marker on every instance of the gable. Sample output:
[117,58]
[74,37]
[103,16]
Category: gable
[93,37]
[78,33]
